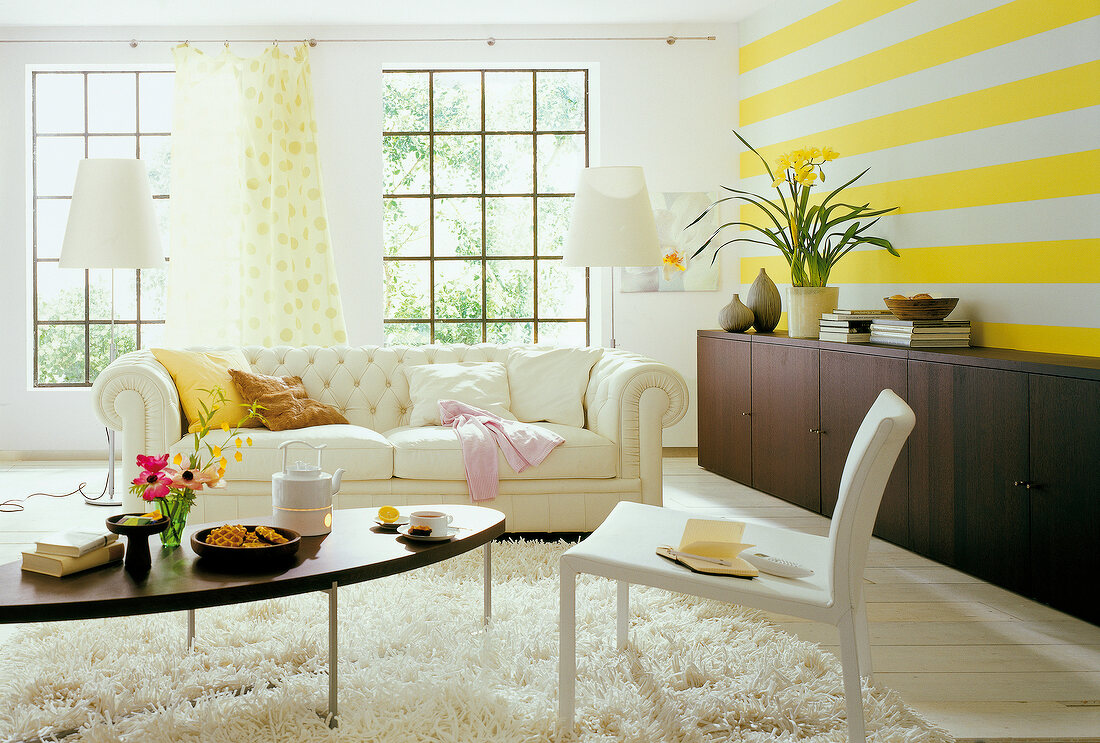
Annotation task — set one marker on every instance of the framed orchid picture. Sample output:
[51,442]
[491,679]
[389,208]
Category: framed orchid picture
[673,212]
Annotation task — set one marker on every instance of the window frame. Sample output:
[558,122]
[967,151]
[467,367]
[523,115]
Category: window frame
[137,322]
[432,196]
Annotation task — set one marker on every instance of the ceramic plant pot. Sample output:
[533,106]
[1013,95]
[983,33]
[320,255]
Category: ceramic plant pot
[735,317]
[806,305]
[764,301]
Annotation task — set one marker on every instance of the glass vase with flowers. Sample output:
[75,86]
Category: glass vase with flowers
[173,487]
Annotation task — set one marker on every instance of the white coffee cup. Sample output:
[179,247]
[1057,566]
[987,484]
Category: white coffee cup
[437,521]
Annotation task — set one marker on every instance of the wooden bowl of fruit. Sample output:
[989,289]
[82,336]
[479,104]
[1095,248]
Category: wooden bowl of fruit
[237,544]
[920,306]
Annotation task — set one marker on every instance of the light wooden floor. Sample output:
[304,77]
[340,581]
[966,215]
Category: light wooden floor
[982,662]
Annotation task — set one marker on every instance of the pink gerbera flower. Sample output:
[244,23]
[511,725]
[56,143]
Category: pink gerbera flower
[152,464]
[194,479]
[156,484]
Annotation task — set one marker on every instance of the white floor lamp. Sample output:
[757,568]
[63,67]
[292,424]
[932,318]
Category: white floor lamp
[612,224]
[111,225]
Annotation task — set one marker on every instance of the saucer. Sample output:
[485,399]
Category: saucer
[392,525]
[451,532]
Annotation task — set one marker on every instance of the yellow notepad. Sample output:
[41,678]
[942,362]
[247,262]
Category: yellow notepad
[717,539]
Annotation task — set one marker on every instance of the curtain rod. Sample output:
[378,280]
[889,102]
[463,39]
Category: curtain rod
[490,40]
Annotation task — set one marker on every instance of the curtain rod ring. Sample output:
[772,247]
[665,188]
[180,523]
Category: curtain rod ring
[227,43]
[312,42]
[275,43]
[133,43]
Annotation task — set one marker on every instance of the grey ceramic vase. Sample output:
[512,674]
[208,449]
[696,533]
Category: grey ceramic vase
[735,317]
[763,299]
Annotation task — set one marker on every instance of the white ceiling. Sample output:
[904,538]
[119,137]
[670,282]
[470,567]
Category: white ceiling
[368,12]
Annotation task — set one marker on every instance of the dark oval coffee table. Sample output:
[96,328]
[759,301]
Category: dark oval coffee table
[357,550]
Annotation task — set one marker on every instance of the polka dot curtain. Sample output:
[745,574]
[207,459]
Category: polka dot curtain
[251,258]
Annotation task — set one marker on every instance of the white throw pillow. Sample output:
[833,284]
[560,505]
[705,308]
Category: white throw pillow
[481,384]
[549,384]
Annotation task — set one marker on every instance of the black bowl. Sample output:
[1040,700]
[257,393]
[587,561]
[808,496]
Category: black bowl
[250,556]
[154,527]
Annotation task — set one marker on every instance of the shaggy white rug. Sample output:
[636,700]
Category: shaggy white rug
[416,666]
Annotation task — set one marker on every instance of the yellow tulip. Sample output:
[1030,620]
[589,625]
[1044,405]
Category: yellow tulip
[225,427]
[216,451]
[238,442]
[177,460]
[248,441]
[225,462]
[238,456]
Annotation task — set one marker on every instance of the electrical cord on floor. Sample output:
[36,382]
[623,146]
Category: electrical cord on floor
[15,505]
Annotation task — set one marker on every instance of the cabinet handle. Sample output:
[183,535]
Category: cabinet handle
[816,430]
[1026,484]
[746,414]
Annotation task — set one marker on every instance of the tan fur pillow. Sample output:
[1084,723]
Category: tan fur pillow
[285,401]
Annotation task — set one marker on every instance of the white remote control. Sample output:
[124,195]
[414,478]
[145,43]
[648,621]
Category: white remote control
[776,566]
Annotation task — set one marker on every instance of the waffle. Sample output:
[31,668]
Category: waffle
[228,535]
[267,534]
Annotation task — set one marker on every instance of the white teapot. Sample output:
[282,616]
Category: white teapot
[301,495]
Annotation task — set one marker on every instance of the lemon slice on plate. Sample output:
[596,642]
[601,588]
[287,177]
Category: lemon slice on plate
[388,514]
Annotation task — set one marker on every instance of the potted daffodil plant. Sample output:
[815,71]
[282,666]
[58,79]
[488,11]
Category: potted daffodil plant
[812,234]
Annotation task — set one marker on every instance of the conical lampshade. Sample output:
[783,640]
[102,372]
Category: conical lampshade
[612,220]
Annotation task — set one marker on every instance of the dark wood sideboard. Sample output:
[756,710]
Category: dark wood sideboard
[1000,478]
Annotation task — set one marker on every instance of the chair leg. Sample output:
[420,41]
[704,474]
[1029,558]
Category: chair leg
[622,614]
[853,692]
[567,647]
[863,641]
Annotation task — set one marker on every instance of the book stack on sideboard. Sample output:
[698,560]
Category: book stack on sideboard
[68,552]
[921,333]
[849,326]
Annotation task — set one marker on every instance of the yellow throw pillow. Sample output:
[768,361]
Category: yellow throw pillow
[196,371]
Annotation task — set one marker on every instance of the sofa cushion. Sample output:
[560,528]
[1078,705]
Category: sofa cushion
[363,453]
[483,385]
[433,453]
[284,402]
[197,372]
[548,384]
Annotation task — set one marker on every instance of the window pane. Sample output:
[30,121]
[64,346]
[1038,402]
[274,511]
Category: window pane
[162,208]
[125,294]
[508,101]
[405,102]
[407,289]
[55,164]
[555,214]
[560,161]
[99,349]
[58,102]
[560,101]
[562,290]
[112,102]
[508,226]
[52,214]
[457,227]
[156,99]
[508,164]
[124,147]
[457,164]
[152,335]
[509,289]
[562,333]
[458,290]
[405,164]
[61,354]
[405,226]
[60,293]
[458,332]
[152,294]
[157,154]
[457,102]
[407,334]
[510,332]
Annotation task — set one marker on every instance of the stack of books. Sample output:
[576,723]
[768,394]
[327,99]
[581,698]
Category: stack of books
[921,333]
[68,552]
[849,326]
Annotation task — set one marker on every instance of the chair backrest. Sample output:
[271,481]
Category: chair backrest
[870,461]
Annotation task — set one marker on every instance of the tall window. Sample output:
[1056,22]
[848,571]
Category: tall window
[77,114]
[479,172]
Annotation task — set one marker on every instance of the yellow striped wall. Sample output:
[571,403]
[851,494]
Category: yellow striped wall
[979,119]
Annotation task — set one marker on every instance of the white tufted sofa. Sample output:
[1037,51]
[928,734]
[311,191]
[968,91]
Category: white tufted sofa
[615,457]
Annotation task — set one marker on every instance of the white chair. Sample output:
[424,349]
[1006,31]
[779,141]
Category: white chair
[622,548]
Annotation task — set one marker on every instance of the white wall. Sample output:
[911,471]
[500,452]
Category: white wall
[666,108]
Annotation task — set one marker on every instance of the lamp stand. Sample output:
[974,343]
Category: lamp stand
[612,307]
[107,497]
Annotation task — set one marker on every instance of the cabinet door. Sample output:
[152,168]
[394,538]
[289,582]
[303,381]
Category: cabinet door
[931,461]
[786,450]
[724,407]
[1065,493]
[850,383]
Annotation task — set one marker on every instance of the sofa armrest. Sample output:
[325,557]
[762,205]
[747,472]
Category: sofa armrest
[630,399]
[136,396]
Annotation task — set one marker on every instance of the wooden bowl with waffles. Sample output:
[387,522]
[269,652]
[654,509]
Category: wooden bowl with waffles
[245,544]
